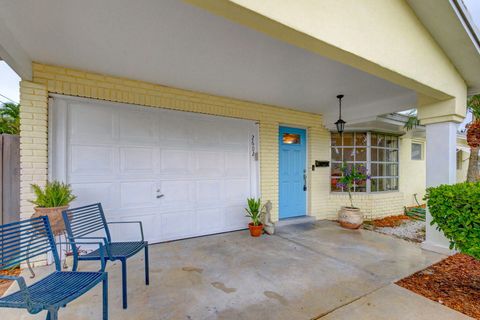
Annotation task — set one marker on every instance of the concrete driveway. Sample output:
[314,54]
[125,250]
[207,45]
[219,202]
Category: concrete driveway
[305,271]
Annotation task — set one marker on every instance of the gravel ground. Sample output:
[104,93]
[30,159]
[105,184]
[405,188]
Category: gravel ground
[408,230]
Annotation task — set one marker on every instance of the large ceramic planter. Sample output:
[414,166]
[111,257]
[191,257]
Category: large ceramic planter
[255,231]
[54,216]
[350,218]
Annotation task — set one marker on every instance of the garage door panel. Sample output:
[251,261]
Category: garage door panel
[91,123]
[178,224]
[206,133]
[92,160]
[210,220]
[175,127]
[104,193]
[138,126]
[138,194]
[209,163]
[237,164]
[177,192]
[176,162]
[134,160]
[234,217]
[237,190]
[209,191]
[151,225]
[235,134]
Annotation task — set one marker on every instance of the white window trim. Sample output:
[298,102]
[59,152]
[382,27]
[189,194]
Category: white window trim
[422,151]
[369,162]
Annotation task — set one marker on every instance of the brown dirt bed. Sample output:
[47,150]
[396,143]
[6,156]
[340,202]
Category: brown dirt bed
[5,284]
[453,282]
[390,222]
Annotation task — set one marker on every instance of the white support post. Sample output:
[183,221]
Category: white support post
[441,169]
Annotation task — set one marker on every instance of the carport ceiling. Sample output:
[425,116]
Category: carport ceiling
[173,43]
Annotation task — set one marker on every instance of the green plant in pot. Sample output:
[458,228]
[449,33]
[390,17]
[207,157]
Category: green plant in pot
[255,211]
[351,217]
[50,201]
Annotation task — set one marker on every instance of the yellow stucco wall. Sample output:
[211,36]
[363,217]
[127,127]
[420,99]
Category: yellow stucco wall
[412,172]
[384,38]
[52,79]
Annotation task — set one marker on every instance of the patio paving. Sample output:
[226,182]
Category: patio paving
[305,271]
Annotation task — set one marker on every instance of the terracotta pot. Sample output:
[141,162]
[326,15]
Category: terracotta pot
[255,231]
[350,218]
[54,216]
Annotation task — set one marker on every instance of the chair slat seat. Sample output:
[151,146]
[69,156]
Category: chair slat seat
[57,288]
[117,250]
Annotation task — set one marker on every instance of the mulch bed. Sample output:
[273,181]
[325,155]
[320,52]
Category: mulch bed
[5,284]
[453,282]
[390,222]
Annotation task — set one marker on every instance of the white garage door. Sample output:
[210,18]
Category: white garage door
[182,174]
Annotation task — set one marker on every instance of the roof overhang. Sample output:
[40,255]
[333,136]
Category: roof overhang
[453,29]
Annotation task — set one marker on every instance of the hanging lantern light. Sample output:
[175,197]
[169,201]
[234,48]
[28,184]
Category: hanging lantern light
[340,123]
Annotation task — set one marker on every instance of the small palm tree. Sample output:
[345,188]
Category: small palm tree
[473,137]
[10,118]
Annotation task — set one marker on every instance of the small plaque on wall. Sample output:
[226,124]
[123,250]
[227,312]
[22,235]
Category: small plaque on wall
[320,164]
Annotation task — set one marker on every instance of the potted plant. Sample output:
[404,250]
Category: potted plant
[350,216]
[255,213]
[51,201]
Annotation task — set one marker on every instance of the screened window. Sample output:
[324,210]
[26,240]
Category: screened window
[417,151]
[375,151]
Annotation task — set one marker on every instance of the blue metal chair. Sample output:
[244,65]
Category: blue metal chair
[81,222]
[27,239]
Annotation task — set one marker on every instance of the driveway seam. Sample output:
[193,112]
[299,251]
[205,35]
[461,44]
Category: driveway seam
[350,302]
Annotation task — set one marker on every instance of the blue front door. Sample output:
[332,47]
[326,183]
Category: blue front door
[292,172]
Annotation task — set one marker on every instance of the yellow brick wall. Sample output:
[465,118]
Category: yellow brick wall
[33,141]
[60,80]
[373,205]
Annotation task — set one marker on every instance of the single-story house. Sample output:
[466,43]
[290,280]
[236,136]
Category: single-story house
[174,112]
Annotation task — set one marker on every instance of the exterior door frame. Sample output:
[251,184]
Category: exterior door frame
[307,169]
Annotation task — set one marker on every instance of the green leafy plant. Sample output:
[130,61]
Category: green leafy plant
[255,210]
[351,176]
[54,194]
[455,210]
[412,121]
[10,118]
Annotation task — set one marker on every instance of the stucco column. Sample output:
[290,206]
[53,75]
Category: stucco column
[441,169]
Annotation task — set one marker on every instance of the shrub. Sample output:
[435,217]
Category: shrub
[55,194]
[455,210]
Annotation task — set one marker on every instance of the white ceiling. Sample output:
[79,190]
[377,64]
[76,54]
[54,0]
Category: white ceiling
[173,43]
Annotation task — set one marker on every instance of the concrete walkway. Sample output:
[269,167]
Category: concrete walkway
[308,271]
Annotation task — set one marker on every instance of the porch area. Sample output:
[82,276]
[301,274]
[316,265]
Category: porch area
[306,271]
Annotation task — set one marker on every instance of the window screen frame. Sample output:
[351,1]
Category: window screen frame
[422,148]
[368,162]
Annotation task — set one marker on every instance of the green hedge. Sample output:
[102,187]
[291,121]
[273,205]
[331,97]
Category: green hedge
[455,210]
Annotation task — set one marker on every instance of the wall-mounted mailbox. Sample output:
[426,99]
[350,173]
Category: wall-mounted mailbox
[319,163]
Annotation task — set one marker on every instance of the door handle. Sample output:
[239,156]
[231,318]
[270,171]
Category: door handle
[304,180]
[160,196]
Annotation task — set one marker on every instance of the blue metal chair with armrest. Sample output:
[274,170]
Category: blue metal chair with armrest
[20,241]
[81,222]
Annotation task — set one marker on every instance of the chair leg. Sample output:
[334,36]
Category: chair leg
[105,298]
[147,270]
[124,283]
[52,314]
